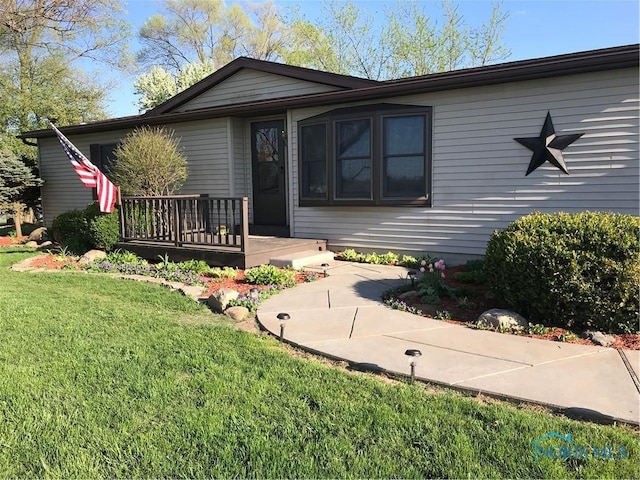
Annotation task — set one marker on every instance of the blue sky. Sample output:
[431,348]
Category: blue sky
[534,28]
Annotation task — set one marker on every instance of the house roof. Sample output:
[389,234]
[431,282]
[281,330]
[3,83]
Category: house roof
[299,73]
[355,89]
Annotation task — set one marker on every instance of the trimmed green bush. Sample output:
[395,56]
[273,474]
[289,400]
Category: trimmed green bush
[103,229]
[270,275]
[569,270]
[81,230]
[68,224]
[70,230]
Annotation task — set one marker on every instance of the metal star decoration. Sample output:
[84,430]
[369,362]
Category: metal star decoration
[548,146]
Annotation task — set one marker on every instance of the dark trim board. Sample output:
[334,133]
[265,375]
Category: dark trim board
[300,73]
[260,250]
[547,67]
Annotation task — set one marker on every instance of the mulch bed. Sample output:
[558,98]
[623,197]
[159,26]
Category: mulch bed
[481,301]
[7,241]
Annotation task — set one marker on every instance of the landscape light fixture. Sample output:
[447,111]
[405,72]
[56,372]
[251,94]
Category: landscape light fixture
[415,355]
[283,317]
[412,276]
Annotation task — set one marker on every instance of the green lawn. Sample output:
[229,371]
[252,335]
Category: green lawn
[109,378]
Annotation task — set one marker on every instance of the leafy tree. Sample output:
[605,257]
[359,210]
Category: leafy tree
[39,42]
[15,179]
[149,162]
[346,40]
[411,33]
[159,84]
[201,31]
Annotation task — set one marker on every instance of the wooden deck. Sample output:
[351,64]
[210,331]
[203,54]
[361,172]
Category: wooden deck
[213,229]
[259,250]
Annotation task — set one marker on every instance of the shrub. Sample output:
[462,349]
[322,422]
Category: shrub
[569,270]
[195,266]
[270,275]
[221,273]
[149,162]
[410,261]
[70,230]
[123,257]
[68,224]
[103,229]
[431,285]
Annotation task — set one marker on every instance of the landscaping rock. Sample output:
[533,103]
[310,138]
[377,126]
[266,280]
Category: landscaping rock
[409,294]
[599,338]
[91,256]
[45,244]
[38,234]
[219,300]
[498,318]
[31,244]
[237,313]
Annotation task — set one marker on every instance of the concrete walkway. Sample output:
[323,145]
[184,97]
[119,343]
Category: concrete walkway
[343,317]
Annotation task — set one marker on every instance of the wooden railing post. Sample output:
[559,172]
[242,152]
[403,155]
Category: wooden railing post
[244,219]
[177,220]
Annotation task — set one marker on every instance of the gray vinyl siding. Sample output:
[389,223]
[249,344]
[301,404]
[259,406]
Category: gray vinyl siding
[62,189]
[251,85]
[204,143]
[241,162]
[478,171]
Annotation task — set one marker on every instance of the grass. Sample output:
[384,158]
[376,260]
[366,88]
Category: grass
[101,377]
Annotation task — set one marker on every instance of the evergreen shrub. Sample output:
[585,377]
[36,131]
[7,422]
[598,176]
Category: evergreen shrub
[569,270]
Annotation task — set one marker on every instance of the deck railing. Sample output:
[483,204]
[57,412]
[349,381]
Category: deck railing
[181,220]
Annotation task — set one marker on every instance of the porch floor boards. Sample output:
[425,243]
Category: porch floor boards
[259,250]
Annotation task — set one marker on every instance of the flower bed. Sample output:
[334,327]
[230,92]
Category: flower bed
[470,301]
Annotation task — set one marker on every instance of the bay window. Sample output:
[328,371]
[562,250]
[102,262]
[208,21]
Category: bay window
[371,155]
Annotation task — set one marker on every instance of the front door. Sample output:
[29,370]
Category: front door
[268,171]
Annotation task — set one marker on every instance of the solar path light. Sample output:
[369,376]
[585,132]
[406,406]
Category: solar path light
[283,317]
[411,274]
[415,355]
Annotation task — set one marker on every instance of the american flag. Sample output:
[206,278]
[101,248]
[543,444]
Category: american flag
[89,174]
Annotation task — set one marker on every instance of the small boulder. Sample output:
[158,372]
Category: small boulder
[219,299]
[599,338]
[409,294]
[498,318]
[45,244]
[237,313]
[38,235]
[92,256]
[32,244]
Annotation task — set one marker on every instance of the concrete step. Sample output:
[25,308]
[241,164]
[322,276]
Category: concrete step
[305,258]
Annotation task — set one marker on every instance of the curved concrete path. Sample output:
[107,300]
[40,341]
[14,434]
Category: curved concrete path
[343,317]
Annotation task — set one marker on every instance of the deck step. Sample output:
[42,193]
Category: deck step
[305,258]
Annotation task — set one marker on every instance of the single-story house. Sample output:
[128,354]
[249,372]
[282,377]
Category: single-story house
[430,164]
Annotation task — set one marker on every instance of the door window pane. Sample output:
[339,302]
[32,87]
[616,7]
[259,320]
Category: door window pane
[314,161]
[267,155]
[353,159]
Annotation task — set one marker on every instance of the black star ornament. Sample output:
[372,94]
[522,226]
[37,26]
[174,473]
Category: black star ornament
[548,146]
